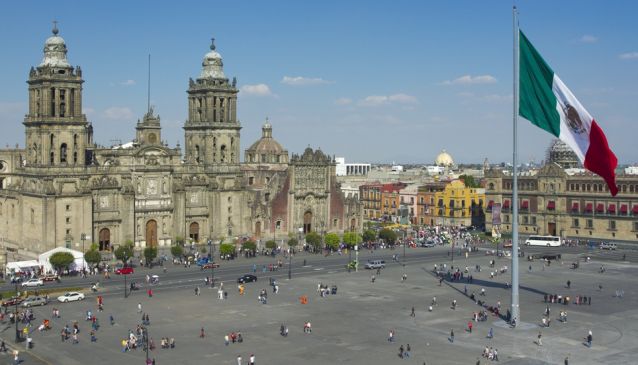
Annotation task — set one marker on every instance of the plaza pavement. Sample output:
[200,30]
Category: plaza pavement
[352,326]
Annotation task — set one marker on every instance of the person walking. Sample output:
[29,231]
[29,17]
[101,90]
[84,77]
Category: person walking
[469,326]
[569,284]
[589,339]
[251,359]
[202,334]
[412,314]
[238,359]
[490,334]
[139,307]
[539,342]
[452,335]
[406,353]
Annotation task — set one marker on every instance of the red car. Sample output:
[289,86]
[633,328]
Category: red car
[124,270]
[12,301]
[210,265]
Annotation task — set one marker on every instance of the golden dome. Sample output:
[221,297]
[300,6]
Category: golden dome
[444,159]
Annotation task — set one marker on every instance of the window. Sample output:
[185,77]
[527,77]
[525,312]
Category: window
[635,226]
[507,218]
[267,197]
[575,223]
[612,225]
[589,223]
[278,225]
[68,220]
[335,222]
[251,180]
[525,219]
[32,216]
[68,232]
[68,207]
[533,221]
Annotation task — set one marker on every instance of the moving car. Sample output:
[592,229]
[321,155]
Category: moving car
[210,265]
[375,264]
[33,283]
[203,261]
[246,278]
[49,277]
[70,297]
[12,301]
[608,246]
[33,301]
[124,270]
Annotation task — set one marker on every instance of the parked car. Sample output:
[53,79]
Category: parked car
[126,270]
[12,301]
[608,246]
[375,264]
[49,277]
[246,278]
[33,301]
[210,265]
[33,283]
[70,297]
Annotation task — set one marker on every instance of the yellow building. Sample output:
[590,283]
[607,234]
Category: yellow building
[458,205]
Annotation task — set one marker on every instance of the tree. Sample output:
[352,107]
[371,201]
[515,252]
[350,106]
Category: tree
[314,240]
[388,235]
[249,246]
[227,249]
[271,244]
[150,253]
[469,181]
[351,239]
[93,257]
[124,252]
[332,241]
[61,260]
[179,240]
[369,235]
[177,251]
[293,242]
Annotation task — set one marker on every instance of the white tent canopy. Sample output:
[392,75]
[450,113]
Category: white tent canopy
[22,266]
[77,264]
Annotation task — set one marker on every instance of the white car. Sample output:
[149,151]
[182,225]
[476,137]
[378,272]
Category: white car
[32,283]
[70,297]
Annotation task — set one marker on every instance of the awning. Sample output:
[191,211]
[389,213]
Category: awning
[551,205]
[623,209]
[575,206]
[634,210]
[588,207]
[506,204]
[611,208]
[525,204]
[600,208]
[490,204]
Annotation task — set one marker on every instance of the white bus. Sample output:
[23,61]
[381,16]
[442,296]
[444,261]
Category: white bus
[549,241]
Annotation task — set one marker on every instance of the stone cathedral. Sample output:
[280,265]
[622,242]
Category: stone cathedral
[62,186]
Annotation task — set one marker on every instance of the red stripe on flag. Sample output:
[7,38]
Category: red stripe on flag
[600,159]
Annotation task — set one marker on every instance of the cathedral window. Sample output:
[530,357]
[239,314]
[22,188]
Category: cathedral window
[72,103]
[278,225]
[263,158]
[251,180]
[267,197]
[52,95]
[75,141]
[52,158]
[63,153]
[197,153]
[75,157]
[223,153]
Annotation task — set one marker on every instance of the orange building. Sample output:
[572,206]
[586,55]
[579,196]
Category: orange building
[370,196]
[425,202]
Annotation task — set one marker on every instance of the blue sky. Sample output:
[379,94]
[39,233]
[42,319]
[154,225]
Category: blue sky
[370,81]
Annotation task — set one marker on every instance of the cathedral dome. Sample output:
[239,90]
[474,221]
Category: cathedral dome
[55,51]
[212,65]
[444,159]
[560,153]
[266,144]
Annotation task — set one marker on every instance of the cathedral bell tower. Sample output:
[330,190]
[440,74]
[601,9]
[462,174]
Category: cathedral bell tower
[212,128]
[57,133]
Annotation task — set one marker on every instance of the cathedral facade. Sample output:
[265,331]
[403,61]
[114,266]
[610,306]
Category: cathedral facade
[61,189]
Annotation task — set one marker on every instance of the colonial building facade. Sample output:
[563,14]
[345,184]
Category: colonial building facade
[62,187]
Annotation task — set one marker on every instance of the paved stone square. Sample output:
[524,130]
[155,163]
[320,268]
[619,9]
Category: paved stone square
[352,327]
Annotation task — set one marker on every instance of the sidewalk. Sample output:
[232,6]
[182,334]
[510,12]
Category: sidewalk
[25,357]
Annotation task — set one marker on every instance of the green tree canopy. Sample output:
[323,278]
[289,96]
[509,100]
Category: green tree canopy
[293,242]
[61,260]
[388,235]
[271,244]
[314,240]
[124,252]
[351,239]
[177,251]
[249,246]
[332,240]
[469,181]
[369,235]
[93,257]
[226,249]
[150,253]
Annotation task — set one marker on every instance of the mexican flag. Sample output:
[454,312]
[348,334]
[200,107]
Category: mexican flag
[545,101]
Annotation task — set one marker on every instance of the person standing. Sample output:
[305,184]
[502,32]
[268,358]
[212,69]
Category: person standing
[251,359]
[490,334]
[469,326]
[589,339]
[139,307]
[540,341]
[412,314]
[406,354]
[238,359]
[452,335]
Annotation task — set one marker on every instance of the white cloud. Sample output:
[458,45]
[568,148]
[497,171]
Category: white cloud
[257,90]
[128,83]
[587,38]
[376,100]
[302,81]
[119,113]
[88,111]
[343,101]
[471,80]
[629,56]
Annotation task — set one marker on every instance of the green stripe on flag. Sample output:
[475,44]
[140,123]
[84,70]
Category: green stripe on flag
[537,102]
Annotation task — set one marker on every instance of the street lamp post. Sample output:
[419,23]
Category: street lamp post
[83,238]
[146,343]
[404,240]
[211,249]
[16,316]
[125,259]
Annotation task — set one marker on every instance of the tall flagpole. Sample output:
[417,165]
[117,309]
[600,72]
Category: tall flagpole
[515,305]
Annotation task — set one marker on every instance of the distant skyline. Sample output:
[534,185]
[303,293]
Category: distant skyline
[372,82]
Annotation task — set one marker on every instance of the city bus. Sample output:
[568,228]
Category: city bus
[549,241]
